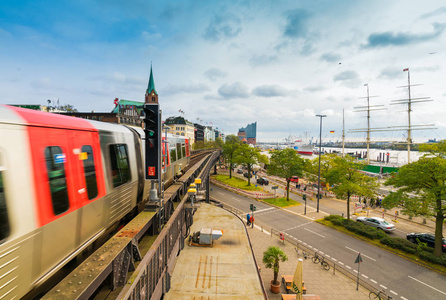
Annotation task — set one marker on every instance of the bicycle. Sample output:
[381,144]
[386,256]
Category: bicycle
[320,259]
[380,295]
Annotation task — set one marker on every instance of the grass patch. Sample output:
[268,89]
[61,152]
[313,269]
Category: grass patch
[237,182]
[282,202]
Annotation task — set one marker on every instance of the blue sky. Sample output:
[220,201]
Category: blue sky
[233,62]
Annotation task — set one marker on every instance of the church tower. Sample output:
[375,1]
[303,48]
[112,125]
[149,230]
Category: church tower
[151,94]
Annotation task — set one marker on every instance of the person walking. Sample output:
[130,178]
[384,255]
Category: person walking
[248,219]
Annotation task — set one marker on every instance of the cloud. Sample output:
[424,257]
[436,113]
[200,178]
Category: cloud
[222,27]
[388,38]
[390,73]
[214,74]
[270,91]
[314,88]
[261,60]
[296,24]
[438,11]
[185,89]
[330,57]
[41,83]
[348,78]
[148,36]
[235,90]
[429,68]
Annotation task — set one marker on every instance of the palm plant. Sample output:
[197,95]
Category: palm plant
[271,258]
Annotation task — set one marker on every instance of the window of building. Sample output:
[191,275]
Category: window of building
[55,164]
[173,154]
[4,221]
[120,167]
[90,173]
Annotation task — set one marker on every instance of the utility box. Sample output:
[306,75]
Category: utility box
[207,236]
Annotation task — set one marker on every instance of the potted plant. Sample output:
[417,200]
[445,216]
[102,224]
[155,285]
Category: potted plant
[271,258]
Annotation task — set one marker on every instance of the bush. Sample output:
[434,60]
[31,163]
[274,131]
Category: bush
[399,243]
[430,257]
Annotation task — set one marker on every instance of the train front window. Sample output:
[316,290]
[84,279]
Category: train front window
[55,164]
[89,172]
[120,166]
[4,222]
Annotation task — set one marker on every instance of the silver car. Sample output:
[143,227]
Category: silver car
[377,223]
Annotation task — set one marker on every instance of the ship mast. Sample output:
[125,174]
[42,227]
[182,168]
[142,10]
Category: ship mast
[409,103]
[367,108]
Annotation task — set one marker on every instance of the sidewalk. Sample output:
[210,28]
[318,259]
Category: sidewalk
[317,280]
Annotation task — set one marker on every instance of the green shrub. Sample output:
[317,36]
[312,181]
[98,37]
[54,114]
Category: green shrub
[430,257]
[399,243]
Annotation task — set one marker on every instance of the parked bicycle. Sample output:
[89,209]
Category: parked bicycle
[380,296]
[320,259]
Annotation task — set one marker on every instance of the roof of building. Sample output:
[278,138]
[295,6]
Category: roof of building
[123,103]
[177,120]
[151,86]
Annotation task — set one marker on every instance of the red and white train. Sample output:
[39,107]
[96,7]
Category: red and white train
[64,182]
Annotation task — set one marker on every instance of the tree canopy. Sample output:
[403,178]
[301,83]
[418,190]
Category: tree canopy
[248,156]
[286,163]
[421,190]
[231,144]
[343,173]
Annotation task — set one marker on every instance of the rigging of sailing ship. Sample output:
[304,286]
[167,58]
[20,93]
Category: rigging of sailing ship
[409,101]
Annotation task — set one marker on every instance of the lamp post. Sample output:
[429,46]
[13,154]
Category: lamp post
[319,173]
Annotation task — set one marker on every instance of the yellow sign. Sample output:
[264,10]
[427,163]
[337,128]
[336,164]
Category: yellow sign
[83,156]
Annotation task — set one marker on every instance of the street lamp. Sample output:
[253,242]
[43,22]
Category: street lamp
[319,174]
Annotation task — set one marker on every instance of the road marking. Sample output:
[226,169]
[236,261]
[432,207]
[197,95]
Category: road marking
[299,241]
[365,276]
[321,252]
[384,287]
[334,259]
[265,209]
[348,267]
[261,229]
[404,298]
[315,232]
[315,249]
[374,281]
[361,254]
[327,255]
[355,271]
[341,263]
[235,199]
[396,294]
[427,285]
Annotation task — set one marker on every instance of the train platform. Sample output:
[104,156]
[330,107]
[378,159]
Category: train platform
[227,270]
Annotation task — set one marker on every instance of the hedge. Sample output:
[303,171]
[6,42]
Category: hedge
[424,252]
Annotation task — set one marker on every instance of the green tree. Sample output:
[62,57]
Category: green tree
[230,146]
[248,156]
[421,190]
[286,163]
[271,258]
[348,181]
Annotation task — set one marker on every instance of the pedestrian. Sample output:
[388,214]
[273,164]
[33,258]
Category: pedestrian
[248,219]
[380,202]
[377,202]
[365,202]
[251,220]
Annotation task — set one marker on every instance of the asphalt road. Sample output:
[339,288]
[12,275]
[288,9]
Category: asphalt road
[400,278]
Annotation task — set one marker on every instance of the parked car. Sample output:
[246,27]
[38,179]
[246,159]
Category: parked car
[262,181]
[247,175]
[294,179]
[239,171]
[427,238]
[377,223]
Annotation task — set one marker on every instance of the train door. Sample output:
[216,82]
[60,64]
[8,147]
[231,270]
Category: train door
[55,197]
[89,183]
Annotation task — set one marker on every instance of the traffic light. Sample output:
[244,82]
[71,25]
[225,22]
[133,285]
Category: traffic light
[153,140]
[251,207]
[304,197]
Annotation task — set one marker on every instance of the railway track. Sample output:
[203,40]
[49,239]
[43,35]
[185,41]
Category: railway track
[140,250]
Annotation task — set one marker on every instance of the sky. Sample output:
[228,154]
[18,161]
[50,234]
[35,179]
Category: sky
[231,63]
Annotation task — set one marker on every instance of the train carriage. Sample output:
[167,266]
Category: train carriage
[64,182]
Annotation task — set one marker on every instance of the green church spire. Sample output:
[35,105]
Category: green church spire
[151,86]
